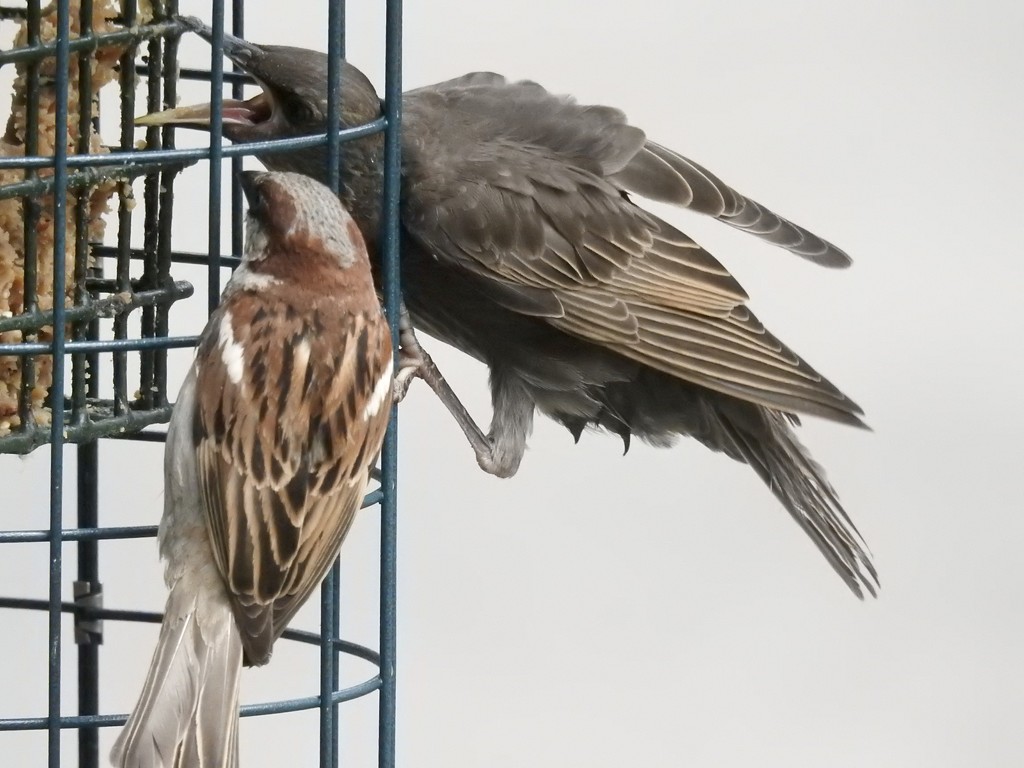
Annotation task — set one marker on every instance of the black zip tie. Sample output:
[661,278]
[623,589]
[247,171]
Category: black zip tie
[88,599]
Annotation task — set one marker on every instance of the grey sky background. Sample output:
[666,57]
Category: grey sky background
[661,608]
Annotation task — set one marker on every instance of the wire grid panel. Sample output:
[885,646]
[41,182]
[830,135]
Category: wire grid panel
[87,327]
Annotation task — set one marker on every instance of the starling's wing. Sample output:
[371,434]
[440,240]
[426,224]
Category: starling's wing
[660,174]
[520,187]
[286,435]
[527,114]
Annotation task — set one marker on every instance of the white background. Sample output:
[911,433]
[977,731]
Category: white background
[661,609]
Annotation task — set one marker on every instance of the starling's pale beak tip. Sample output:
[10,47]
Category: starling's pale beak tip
[148,121]
[196,115]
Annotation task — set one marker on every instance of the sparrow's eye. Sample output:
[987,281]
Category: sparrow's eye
[257,203]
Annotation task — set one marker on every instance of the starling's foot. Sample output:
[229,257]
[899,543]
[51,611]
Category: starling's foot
[413,360]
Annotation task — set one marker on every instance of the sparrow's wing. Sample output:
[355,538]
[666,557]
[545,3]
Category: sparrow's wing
[527,190]
[286,435]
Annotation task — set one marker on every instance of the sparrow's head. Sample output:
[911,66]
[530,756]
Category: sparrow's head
[294,215]
[293,101]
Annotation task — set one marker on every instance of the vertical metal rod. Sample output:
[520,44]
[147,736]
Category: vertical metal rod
[151,359]
[336,25]
[334,55]
[60,186]
[237,216]
[151,206]
[88,581]
[31,208]
[330,609]
[328,665]
[169,80]
[216,154]
[85,384]
[390,246]
[126,83]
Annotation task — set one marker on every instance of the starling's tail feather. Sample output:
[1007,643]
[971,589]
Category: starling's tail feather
[187,714]
[799,483]
[657,408]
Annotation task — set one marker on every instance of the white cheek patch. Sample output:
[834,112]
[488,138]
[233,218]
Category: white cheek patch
[247,280]
[232,353]
[256,240]
[380,391]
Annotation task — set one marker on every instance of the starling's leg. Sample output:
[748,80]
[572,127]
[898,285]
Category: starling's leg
[500,456]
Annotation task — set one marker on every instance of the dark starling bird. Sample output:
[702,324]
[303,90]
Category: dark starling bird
[268,455]
[523,247]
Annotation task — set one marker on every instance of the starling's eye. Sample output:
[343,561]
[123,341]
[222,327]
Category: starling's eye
[302,112]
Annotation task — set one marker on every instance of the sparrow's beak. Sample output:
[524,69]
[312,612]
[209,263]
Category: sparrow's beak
[248,181]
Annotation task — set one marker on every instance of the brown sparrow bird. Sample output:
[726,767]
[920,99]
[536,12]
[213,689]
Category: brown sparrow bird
[268,456]
[524,244]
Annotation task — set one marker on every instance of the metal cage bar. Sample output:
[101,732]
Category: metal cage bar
[84,345]
[389,457]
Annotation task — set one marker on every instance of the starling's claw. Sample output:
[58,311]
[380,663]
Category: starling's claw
[403,379]
[412,359]
[410,366]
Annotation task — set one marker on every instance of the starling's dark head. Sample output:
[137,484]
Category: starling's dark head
[293,101]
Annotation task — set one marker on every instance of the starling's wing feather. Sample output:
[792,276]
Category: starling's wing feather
[536,215]
[470,79]
[483,107]
[284,463]
[660,174]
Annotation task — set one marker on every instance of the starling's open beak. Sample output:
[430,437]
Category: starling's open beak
[251,112]
[256,110]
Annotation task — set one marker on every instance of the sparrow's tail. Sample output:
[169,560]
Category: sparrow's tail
[187,714]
